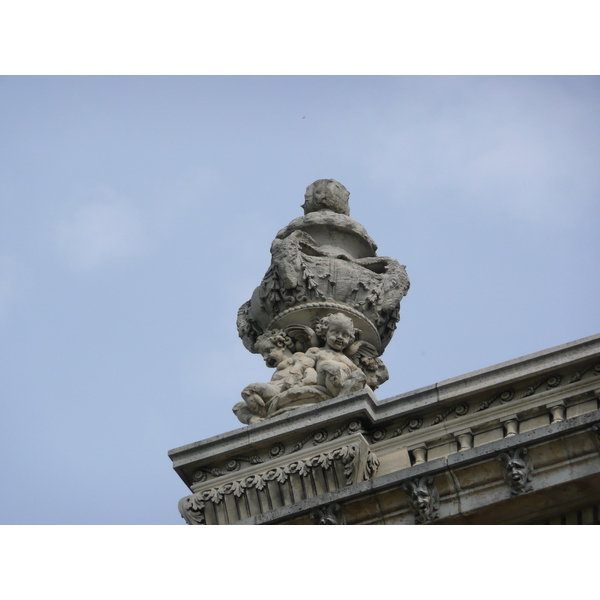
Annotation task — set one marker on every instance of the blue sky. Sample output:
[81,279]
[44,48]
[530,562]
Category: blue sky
[136,216]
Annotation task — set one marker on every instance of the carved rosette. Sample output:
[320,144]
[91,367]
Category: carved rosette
[423,498]
[518,469]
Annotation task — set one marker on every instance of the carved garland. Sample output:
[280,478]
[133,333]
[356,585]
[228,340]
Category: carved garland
[460,410]
[579,374]
[504,396]
[551,382]
[318,437]
[233,464]
[357,468]
[352,427]
[410,425]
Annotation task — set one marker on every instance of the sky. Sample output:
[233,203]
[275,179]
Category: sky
[137,213]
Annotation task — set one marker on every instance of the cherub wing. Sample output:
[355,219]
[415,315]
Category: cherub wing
[360,348]
[365,356]
[304,337]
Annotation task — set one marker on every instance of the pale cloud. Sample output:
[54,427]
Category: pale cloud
[526,148]
[7,287]
[100,232]
[15,283]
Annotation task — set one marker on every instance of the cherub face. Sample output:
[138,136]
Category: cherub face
[272,353]
[338,336]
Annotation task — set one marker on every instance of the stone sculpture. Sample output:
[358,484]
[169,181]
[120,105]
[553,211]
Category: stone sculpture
[423,498]
[518,469]
[327,515]
[325,311]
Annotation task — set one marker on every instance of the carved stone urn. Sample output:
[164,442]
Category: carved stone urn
[323,264]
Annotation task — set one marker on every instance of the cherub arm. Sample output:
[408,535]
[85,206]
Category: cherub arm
[301,372]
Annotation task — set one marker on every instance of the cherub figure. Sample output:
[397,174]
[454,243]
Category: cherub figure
[294,380]
[335,371]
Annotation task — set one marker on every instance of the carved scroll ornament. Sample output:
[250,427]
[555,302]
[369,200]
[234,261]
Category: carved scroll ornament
[359,465]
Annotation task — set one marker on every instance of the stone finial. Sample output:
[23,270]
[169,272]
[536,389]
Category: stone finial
[326,194]
[324,312]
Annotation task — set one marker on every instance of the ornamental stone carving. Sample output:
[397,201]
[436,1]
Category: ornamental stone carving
[282,481]
[325,311]
[423,497]
[327,515]
[518,469]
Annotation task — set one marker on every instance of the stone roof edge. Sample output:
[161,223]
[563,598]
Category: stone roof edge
[364,404]
[430,468]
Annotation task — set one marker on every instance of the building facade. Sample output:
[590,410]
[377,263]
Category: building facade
[516,443]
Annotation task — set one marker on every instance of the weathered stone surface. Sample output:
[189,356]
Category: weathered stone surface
[281,469]
[324,269]
[423,497]
[284,480]
[518,469]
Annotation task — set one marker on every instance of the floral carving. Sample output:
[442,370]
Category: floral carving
[277,450]
[359,465]
[551,381]
[579,374]
[201,474]
[192,510]
[459,410]
[318,437]
[352,427]
[326,515]
[518,469]
[233,464]
[378,435]
[410,425]
[504,396]
[324,267]
[423,497]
